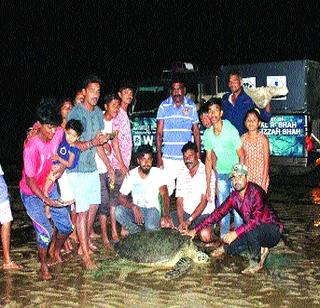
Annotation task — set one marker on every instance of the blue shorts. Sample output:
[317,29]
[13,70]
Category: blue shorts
[41,224]
[86,189]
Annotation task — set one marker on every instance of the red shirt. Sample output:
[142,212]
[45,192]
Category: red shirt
[253,209]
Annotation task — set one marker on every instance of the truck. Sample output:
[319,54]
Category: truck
[295,117]
[200,86]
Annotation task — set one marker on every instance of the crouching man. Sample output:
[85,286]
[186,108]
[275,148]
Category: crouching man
[145,183]
[261,229]
[192,205]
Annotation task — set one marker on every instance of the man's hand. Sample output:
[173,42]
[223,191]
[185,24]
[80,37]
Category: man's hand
[55,157]
[124,170]
[57,170]
[192,233]
[100,139]
[184,225]
[50,202]
[230,237]
[166,222]
[138,217]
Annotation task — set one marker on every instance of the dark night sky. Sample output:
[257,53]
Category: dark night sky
[47,46]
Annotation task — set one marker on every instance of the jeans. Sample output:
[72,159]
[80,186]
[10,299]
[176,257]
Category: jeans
[224,188]
[125,217]
[264,235]
[41,224]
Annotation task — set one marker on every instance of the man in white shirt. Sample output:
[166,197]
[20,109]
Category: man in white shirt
[192,204]
[147,185]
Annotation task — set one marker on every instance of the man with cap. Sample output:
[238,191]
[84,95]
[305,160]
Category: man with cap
[261,229]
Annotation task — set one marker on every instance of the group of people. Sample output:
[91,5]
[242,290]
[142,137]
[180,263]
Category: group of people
[76,168]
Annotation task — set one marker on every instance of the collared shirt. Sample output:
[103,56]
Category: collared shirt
[236,112]
[121,123]
[191,188]
[224,145]
[92,122]
[253,209]
[177,129]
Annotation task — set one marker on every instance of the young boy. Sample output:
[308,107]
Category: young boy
[68,156]
[37,162]
[110,184]
[5,220]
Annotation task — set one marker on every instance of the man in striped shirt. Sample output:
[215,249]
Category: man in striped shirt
[177,118]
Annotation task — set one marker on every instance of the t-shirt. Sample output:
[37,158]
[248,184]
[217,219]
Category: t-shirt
[92,122]
[191,189]
[37,160]
[177,128]
[145,192]
[101,166]
[224,145]
[64,151]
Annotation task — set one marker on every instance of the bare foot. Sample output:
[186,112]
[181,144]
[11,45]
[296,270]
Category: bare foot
[92,246]
[94,236]
[67,246]
[89,265]
[219,252]
[80,253]
[107,245]
[44,273]
[11,266]
[56,259]
[124,232]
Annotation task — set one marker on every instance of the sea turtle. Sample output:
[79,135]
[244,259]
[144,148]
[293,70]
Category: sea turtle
[165,247]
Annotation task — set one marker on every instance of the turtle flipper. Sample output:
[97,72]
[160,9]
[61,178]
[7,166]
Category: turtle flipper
[180,268]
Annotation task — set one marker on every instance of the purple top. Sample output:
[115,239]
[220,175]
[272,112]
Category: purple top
[253,209]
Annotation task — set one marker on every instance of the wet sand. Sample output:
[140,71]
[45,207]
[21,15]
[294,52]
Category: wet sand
[291,277]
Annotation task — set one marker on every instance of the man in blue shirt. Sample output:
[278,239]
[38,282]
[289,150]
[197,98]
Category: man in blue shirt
[237,103]
[177,118]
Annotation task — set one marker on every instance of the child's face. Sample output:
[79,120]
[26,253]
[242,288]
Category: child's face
[112,108]
[252,122]
[71,136]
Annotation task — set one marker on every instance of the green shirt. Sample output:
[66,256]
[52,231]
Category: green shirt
[224,145]
[92,122]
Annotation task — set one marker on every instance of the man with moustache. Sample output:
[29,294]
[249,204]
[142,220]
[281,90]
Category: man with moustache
[146,184]
[177,118]
[84,178]
[261,229]
[192,204]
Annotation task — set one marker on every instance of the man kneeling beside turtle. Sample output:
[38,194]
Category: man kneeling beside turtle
[261,229]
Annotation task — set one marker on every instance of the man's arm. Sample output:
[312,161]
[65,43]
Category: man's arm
[117,153]
[138,217]
[160,124]
[208,169]
[179,203]
[266,158]
[31,182]
[166,221]
[197,139]
[240,153]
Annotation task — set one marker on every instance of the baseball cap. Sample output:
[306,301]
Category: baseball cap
[239,169]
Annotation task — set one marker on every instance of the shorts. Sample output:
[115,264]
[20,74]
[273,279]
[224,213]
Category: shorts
[5,212]
[41,224]
[109,197]
[65,189]
[86,189]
